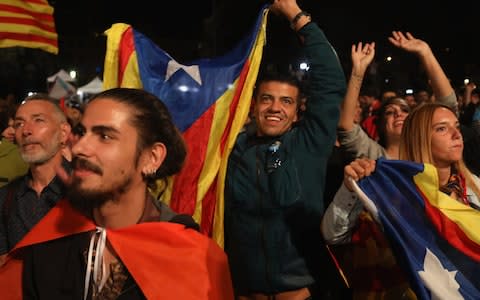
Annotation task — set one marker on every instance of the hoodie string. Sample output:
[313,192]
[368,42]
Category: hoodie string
[99,270]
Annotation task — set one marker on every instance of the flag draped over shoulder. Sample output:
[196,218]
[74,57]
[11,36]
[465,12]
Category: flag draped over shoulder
[199,270]
[27,23]
[435,237]
[209,100]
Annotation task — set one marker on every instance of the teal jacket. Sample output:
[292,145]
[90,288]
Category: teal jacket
[272,220]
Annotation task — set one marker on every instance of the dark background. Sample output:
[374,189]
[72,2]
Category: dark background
[205,28]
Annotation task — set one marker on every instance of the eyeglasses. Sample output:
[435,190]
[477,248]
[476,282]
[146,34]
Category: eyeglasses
[273,160]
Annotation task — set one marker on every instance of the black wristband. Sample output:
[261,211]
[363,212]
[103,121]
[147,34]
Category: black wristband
[297,17]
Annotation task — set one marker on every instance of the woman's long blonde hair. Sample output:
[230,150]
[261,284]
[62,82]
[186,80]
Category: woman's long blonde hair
[416,140]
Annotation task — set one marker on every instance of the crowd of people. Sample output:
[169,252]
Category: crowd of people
[78,219]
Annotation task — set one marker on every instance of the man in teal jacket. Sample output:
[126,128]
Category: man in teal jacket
[276,174]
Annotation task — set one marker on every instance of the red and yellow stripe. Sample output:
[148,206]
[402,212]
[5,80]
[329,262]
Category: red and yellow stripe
[28,23]
[458,223]
[210,138]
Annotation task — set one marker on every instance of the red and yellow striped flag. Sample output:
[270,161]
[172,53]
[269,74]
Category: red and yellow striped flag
[27,23]
[209,100]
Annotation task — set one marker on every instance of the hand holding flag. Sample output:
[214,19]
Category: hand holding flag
[435,237]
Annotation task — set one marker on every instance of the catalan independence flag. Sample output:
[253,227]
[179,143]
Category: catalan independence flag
[209,100]
[27,23]
[435,237]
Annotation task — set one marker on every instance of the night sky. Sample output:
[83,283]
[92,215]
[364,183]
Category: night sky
[203,28]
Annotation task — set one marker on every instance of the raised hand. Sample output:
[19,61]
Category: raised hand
[359,168]
[287,8]
[408,42]
[362,56]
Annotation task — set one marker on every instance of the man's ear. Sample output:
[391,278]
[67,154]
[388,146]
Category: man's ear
[65,130]
[300,108]
[154,158]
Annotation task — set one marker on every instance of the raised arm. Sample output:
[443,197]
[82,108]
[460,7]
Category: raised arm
[291,11]
[326,80]
[362,55]
[439,82]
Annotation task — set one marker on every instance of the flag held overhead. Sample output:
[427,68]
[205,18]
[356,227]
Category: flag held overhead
[209,100]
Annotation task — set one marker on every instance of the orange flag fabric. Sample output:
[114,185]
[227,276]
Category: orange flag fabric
[166,260]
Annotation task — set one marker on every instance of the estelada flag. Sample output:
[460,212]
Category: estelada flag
[209,100]
[166,260]
[434,237]
[28,23]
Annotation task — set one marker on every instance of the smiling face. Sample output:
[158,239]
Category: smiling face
[276,107]
[105,157]
[40,131]
[446,139]
[394,116]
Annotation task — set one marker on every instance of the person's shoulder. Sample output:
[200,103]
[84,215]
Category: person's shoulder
[6,147]
[168,215]
[14,184]
[8,191]
[310,26]
[185,220]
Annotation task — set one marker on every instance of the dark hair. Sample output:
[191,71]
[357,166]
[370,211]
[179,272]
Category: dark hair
[74,102]
[370,90]
[154,124]
[3,120]
[5,115]
[288,77]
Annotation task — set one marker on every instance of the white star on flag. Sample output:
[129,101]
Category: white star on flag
[438,280]
[193,71]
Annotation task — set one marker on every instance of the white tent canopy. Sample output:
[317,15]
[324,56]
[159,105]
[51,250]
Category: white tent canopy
[93,87]
[62,74]
[61,88]
[87,91]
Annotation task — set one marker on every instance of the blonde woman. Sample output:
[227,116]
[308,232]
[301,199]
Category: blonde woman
[431,134]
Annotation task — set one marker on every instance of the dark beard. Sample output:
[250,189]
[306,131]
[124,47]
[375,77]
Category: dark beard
[86,201]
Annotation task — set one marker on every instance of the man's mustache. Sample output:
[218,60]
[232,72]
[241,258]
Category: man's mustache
[83,164]
[28,141]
